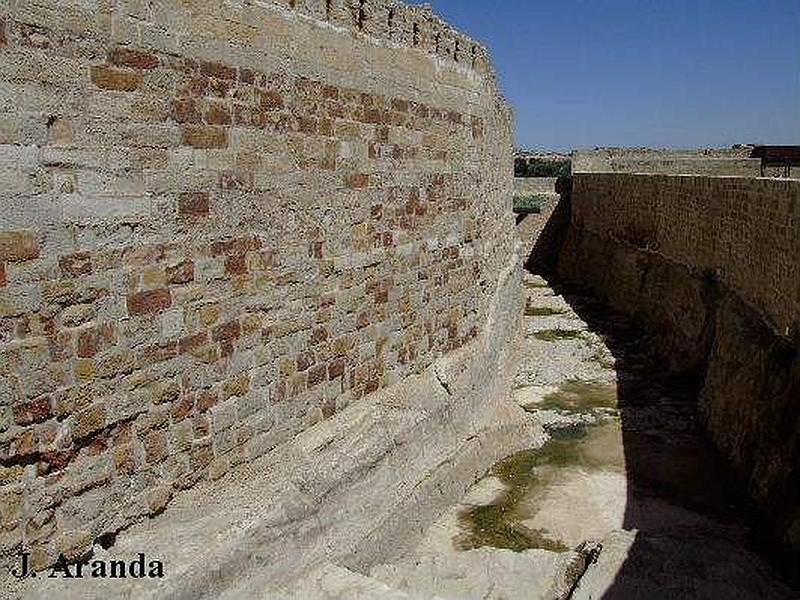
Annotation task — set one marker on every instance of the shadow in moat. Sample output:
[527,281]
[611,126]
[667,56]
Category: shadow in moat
[684,503]
[697,531]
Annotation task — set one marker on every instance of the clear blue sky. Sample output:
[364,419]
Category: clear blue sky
[666,73]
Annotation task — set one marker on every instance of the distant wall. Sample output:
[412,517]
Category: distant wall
[221,222]
[524,186]
[733,162]
[712,265]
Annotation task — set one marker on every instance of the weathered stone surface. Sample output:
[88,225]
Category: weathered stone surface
[192,218]
[710,265]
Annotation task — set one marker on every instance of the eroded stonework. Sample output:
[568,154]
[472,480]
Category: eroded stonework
[220,224]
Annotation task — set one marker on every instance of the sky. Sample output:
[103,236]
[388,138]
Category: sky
[661,74]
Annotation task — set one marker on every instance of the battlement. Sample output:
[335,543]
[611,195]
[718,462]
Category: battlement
[398,24]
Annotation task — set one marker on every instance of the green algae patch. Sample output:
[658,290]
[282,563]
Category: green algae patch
[543,311]
[526,475]
[535,284]
[554,335]
[495,525]
[581,396]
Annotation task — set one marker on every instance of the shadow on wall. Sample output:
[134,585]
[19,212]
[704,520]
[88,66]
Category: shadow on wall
[719,348]
[545,232]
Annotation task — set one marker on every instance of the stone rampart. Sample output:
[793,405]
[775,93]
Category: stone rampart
[221,223]
[712,162]
[712,265]
[526,186]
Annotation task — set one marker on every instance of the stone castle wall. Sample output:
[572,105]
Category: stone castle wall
[526,186]
[220,223]
[712,162]
[712,265]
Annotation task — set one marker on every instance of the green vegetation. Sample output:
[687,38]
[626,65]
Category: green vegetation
[580,396]
[554,335]
[542,167]
[532,203]
[498,525]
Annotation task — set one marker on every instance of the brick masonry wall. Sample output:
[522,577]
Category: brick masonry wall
[744,231]
[711,265]
[219,224]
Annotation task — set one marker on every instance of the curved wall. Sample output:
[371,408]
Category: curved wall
[220,223]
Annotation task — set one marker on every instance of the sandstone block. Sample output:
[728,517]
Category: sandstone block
[133,58]
[89,421]
[75,265]
[218,70]
[193,204]
[205,136]
[18,246]
[149,302]
[155,446]
[357,181]
[181,273]
[184,110]
[110,78]
[35,411]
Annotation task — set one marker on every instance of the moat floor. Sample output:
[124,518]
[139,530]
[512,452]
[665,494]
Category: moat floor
[626,500]
[617,496]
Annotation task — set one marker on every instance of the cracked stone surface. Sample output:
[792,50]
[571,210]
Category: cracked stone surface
[626,471]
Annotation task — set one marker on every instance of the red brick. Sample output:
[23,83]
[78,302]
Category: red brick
[3,277]
[18,246]
[193,342]
[184,110]
[205,136]
[193,204]
[307,125]
[235,264]
[205,400]
[197,87]
[149,302]
[271,100]
[228,332]
[182,408]
[181,273]
[234,246]
[315,249]
[201,426]
[316,375]
[218,114]
[326,128]
[130,57]
[75,265]
[320,335]
[305,361]
[88,343]
[35,411]
[155,446]
[357,181]
[218,70]
[53,461]
[111,78]
[158,353]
